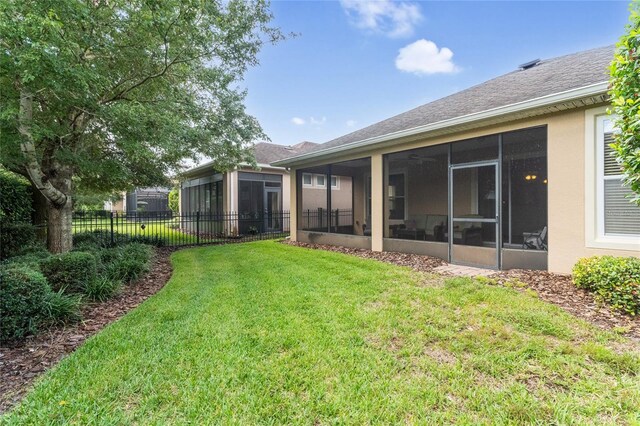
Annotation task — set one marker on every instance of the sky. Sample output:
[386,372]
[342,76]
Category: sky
[353,63]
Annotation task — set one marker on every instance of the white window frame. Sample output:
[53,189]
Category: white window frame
[315,181]
[337,185]
[594,187]
[307,185]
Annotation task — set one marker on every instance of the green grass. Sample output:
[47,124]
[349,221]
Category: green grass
[273,334]
[152,228]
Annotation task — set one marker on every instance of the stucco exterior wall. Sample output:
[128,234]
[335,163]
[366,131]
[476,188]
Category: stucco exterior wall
[341,198]
[567,209]
[566,188]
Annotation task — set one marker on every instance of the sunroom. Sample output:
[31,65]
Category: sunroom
[480,202]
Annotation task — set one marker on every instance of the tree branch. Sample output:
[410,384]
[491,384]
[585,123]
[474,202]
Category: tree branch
[27,146]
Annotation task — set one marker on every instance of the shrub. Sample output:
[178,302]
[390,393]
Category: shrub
[98,238]
[61,308]
[102,239]
[128,262]
[102,288]
[14,237]
[615,280]
[23,293]
[70,271]
[32,259]
[15,193]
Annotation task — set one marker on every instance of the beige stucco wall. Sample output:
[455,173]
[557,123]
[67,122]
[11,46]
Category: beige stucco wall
[567,209]
[566,187]
[314,197]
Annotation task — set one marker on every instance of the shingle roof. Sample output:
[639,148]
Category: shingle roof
[267,153]
[548,77]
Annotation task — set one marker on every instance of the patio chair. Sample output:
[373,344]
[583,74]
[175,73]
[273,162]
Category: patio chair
[535,240]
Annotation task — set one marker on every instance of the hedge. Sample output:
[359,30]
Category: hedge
[615,280]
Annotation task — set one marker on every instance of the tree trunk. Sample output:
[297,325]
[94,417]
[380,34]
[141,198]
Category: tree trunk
[40,207]
[55,185]
[59,228]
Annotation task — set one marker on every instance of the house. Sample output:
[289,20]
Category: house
[515,172]
[257,196]
[150,201]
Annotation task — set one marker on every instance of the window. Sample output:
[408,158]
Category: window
[306,179]
[320,181]
[397,198]
[335,182]
[618,216]
[611,220]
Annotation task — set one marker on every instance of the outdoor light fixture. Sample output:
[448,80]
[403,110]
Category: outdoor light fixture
[531,177]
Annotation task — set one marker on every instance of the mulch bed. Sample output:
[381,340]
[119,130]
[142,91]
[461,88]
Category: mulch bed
[553,288]
[415,261]
[22,363]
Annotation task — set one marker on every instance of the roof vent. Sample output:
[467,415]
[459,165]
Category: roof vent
[529,64]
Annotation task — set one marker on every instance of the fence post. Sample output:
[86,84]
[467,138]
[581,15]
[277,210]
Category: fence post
[198,227]
[337,220]
[111,220]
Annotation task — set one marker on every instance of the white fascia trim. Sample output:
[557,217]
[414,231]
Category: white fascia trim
[198,169]
[262,166]
[543,101]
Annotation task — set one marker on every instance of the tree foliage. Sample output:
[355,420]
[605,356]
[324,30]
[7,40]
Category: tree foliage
[15,198]
[174,200]
[113,94]
[625,97]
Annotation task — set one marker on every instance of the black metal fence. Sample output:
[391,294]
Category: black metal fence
[182,230]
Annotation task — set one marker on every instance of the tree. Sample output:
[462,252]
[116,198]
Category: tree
[625,97]
[112,94]
[174,199]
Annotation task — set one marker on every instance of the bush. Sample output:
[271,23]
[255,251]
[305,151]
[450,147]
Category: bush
[14,237]
[128,262]
[70,272]
[615,280]
[102,239]
[98,238]
[23,293]
[102,288]
[60,308]
[15,196]
[32,259]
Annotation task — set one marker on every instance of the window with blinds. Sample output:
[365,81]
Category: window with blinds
[621,216]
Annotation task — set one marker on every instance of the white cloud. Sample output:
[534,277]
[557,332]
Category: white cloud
[350,123]
[424,57]
[312,121]
[395,19]
[317,121]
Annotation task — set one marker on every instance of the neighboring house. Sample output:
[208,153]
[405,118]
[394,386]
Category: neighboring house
[151,200]
[256,196]
[515,172]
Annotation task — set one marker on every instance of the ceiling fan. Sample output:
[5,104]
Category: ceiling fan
[421,159]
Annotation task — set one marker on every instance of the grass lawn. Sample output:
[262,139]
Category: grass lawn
[152,228]
[268,333]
